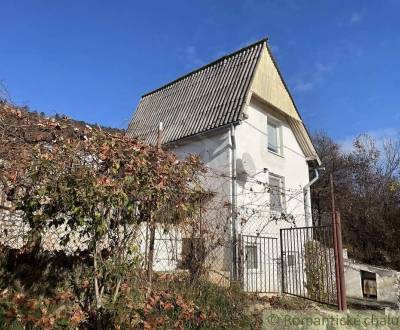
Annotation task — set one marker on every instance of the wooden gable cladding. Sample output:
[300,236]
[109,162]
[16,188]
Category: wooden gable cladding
[269,87]
[268,84]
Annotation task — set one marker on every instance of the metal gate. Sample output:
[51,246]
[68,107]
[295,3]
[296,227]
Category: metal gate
[259,264]
[308,267]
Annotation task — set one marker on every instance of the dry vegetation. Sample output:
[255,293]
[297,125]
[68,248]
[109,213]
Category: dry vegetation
[100,187]
[367,182]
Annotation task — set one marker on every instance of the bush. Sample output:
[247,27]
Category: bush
[219,307]
[184,306]
[21,311]
[318,276]
[95,190]
[51,290]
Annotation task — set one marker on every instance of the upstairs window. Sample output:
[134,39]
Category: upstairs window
[274,137]
[276,194]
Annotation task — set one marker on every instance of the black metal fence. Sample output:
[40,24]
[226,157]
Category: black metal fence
[308,267]
[259,264]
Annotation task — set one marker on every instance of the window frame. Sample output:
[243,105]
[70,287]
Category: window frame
[281,194]
[278,124]
[291,259]
[189,245]
[253,262]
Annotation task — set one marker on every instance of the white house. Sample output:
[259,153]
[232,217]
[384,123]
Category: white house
[239,116]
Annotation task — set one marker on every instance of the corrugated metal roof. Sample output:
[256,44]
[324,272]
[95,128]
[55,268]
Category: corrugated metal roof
[207,98]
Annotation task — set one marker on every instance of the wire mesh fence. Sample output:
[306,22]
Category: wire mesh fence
[300,262]
[173,248]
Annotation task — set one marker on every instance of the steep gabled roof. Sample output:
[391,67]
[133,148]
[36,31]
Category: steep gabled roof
[216,95]
[207,98]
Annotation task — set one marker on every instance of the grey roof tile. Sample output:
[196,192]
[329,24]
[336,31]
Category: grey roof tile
[209,97]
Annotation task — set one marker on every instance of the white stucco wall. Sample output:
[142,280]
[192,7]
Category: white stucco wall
[215,150]
[253,196]
[252,138]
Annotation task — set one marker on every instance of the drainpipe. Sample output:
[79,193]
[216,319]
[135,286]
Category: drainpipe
[234,206]
[307,201]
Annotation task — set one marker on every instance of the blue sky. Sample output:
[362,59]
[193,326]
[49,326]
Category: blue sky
[92,60]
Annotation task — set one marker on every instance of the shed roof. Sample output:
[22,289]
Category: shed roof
[207,98]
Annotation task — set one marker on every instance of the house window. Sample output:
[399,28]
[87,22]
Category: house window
[276,194]
[251,256]
[193,249]
[274,136]
[291,260]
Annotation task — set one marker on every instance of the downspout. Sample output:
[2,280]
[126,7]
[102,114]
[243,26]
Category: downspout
[307,200]
[234,205]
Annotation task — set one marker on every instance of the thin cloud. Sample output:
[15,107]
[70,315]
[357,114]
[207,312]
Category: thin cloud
[274,48]
[351,19]
[191,57]
[320,70]
[303,86]
[356,17]
[348,49]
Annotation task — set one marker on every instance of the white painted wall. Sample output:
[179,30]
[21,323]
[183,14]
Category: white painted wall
[167,247]
[253,196]
[252,138]
[215,150]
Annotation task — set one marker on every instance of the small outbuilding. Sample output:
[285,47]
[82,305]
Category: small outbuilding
[371,285]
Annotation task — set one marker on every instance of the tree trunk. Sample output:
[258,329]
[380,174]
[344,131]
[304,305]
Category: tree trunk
[150,256]
[96,287]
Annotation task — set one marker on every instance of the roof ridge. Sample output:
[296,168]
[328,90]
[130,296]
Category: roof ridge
[263,40]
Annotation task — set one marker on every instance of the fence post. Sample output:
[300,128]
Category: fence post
[235,257]
[282,264]
[341,262]
[240,260]
[335,246]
